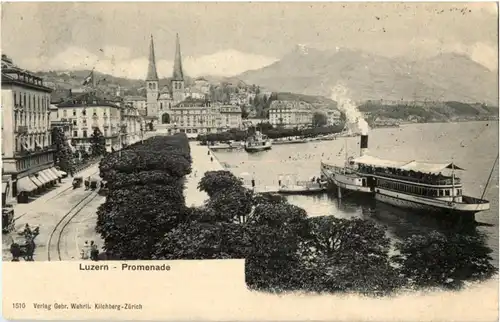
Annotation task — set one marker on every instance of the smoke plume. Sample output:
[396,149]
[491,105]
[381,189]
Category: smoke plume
[346,105]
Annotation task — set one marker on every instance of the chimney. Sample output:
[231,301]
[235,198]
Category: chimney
[363,144]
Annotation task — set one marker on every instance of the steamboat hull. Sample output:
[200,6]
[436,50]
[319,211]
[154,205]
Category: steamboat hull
[349,182]
[253,149]
[302,191]
[460,211]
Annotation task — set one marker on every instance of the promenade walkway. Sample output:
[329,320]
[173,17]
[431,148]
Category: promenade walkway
[201,164]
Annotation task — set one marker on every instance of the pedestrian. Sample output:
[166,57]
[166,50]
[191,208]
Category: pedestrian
[208,152]
[253,183]
[27,231]
[94,252]
[211,159]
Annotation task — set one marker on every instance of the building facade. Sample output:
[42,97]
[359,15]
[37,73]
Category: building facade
[290,114]
[160,103]
[138,102]
[27,152]
[131,125]
[88,111]
[231,117]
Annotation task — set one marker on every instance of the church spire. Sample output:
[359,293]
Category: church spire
[152,74]
[178,74]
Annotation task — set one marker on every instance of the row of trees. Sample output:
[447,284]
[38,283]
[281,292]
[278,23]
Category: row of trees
[270,131]
[145,199]
[145,217]
[66,159]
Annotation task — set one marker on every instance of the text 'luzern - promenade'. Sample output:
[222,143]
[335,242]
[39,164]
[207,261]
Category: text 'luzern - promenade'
[124,267]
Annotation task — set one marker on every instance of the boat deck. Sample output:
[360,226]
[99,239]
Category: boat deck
[264,189]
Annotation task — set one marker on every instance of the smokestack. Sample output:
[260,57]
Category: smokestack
[364,144]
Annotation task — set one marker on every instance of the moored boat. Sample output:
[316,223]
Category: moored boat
[420,185]
[412,185]
[292,186]
[347,177]
[258,142]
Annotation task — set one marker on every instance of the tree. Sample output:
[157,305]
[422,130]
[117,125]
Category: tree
[319,119]
[347,255]
[98,143]
[201,240]
[437,259]
[145,199]
[275,230]
[215,181]
[63,157]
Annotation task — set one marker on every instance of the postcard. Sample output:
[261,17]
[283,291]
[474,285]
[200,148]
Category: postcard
[250,161]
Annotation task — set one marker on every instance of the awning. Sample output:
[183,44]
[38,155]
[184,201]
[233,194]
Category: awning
[25,184]
[42,177]
[5,186]
[36,181]
[54,173]
[49,175]
[429,167]
[377,162]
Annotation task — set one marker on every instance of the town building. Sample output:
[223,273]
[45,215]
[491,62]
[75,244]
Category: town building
[88,111]
[131,125]
[290,114]
[195,93]
[138,102]
[179,109]
[193,117]
[202,85]
[231,116]
[159,104]
[27,152]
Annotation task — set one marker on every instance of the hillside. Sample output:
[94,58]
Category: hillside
[447,77]
[107,83]
[430,112]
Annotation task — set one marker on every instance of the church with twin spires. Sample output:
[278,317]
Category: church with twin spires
[159,101]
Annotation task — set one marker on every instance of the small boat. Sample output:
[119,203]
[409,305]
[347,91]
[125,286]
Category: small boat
[226,146]
[292,186]
[312,187]
[258,142]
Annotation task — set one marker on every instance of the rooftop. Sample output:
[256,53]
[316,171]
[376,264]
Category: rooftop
[89,99]
[12,74]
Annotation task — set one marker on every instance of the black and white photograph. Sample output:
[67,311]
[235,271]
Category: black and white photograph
[337,148]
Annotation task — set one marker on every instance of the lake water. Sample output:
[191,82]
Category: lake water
[471,145]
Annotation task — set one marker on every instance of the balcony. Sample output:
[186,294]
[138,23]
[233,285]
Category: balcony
[22,129]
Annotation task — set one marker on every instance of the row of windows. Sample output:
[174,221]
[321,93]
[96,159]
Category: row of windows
[39,102]
[417,190]
[84,112]
[31,141]
[31,119]
[33,161]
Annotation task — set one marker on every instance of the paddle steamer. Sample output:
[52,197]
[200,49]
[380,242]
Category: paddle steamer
[258,142]
[414,185]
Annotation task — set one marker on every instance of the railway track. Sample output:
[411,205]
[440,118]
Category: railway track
[59,195]
[54,242]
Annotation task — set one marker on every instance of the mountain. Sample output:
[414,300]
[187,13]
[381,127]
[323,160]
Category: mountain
[446,77]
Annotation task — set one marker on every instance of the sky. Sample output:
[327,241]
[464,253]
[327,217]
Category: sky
[225,39]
